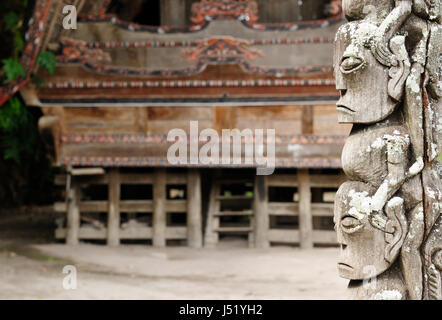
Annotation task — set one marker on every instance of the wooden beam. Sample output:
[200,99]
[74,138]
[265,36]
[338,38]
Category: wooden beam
[136,178]
[125,178]
[316,180]
[113,217]
[194,216]
[136,206]
[327,181]
[283,208]
[305,210]
[60,179]
[87,171]
[159,209]
[133,233]
[261,217]
[292,236]
[282,180]
[292,209]
[85,206]
[73,214]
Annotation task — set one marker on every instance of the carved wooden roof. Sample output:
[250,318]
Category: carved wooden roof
[225,57]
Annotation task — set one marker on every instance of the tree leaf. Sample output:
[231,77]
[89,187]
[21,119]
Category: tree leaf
[19,44]
[48,61]
[13,69]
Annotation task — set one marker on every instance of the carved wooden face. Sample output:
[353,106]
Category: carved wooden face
[363,247]
[361,80]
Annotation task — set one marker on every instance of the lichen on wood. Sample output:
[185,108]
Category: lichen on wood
[387,215]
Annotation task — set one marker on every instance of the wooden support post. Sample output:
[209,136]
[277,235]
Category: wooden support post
[261,213]
[113,216]
[305,212]
[194,217]
[73,213]
[211,237]
[159,208]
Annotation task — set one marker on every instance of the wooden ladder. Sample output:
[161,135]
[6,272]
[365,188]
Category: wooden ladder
[213,225]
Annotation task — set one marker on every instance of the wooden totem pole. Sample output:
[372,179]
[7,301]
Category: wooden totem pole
[388,70]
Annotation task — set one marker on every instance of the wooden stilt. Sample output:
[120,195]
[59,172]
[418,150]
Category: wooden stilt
[211,236]
[159,209]
[305,212]
[194,217]
[113,217]
[261,220]
[73,214]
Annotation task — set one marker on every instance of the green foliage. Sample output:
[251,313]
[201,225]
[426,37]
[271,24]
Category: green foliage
[48,61]
[11,21]
[25,171]
[11,115]
[13,69]
[13,118]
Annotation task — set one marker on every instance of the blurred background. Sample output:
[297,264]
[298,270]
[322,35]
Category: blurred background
[88,98]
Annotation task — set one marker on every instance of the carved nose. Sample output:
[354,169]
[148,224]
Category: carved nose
[340,82]
[342,92]
[343,246]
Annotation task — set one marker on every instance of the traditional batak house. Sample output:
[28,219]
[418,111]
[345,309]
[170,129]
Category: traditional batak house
[132,71]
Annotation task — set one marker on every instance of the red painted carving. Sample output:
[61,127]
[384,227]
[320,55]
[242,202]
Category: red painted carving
[221,50]
[224,10]
[78,51]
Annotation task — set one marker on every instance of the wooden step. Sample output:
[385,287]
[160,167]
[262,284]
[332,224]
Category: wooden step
[233,229]
[236,197]
[234,213]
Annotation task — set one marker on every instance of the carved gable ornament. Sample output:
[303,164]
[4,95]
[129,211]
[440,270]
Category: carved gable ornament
[221,50]
[208,10]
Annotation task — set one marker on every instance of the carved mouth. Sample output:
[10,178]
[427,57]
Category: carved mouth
[344,265]
[341,107]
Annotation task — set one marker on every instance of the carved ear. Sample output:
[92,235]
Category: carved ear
[395,229]
[400,71]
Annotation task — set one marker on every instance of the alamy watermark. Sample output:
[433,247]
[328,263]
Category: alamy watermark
[70,280]
[235,147]
[70,18]
[370,281]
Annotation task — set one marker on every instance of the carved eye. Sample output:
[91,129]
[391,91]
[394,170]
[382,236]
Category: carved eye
[351,224]
[351,63]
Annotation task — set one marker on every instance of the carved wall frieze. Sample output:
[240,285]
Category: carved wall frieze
[206,11]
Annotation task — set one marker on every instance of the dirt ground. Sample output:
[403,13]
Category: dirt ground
[31,267]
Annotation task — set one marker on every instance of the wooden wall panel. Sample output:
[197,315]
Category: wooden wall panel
[325,121]
[285,119]
[162,120]
[101,120]
[225,118]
